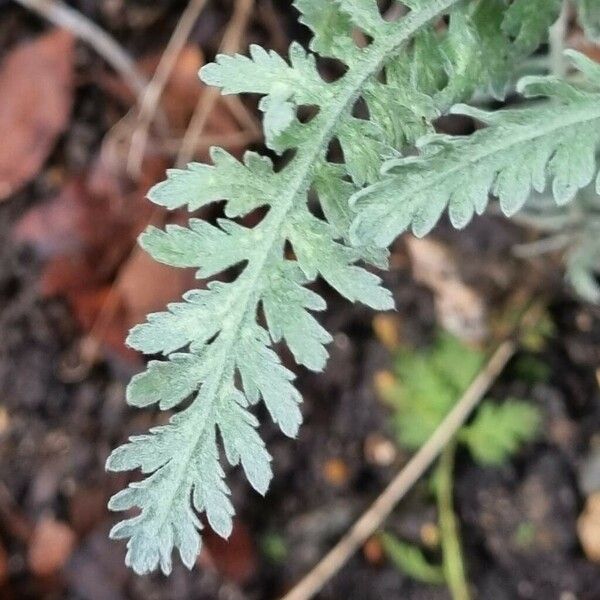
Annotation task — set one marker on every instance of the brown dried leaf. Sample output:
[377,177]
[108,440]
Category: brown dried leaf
[460,309]
[3,565]
[51,546]
[147,286]
[235,559]
[36,87]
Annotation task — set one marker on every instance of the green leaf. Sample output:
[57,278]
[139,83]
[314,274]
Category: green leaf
[430,383]
[218,356]
[332,29]
[214,248]
[520,151]
[498,431]
[589,15]
[528,21]
[219,360]
[410,560]
[245,186]
[364,14]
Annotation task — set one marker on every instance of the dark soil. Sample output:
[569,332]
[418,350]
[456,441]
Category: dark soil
[56,430]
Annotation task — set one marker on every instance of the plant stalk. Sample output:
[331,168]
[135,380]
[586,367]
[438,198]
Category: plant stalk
[453,562]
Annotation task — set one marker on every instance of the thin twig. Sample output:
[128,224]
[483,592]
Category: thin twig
[151,98]
[230,44]
[106,46]
[552,243]
[556,39]
[372,519]
[243,116]
[170,146]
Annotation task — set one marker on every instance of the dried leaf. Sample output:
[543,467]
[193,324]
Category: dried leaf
[460,309]
[50,547]
[36,87]
[235,558]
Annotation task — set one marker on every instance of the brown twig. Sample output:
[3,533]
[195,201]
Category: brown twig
[106,46]
[170,146]
[230,44]
[376,514]
[243,116]
[149,102]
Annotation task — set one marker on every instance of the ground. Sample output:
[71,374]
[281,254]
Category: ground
[63,409]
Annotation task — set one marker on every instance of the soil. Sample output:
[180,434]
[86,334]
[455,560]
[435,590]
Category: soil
[57,426]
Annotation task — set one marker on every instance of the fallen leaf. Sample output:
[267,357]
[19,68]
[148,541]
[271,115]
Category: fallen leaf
[50,547]
[234,558]
[178,103]
[183,88]
[146,286]
[460,309]
[87,508]
[83,235]
[387,329]
[385,383]
[379,450]
[373,551]
[36,87]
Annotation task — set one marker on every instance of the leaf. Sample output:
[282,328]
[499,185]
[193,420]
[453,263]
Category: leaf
[572,227]
[498,431]
[429,384]
[410,560]
[519,151]
[216,334]
[36,87]
[50,547]
[589,16]
[364,14]
[245,186]
[332,29]
[527,21]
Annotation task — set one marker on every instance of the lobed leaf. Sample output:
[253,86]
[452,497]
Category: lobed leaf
[520,151]
[218,354]
[498,431]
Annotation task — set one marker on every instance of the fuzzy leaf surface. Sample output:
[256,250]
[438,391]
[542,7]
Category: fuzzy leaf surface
[218,357]
[520,151]
[217,351]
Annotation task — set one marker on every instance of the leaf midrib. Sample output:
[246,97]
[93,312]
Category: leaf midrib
[458,166]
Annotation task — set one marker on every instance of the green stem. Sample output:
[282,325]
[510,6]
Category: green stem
[454,568]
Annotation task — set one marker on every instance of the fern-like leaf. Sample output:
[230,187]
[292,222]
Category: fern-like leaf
[498,430]
[218,357]
[520,151]
[429,383]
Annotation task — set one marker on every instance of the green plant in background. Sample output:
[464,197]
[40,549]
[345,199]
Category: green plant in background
[218,357]
[427,385]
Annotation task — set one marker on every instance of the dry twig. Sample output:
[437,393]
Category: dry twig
[376,514]
[230,44]
[62,15]
[151,97]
